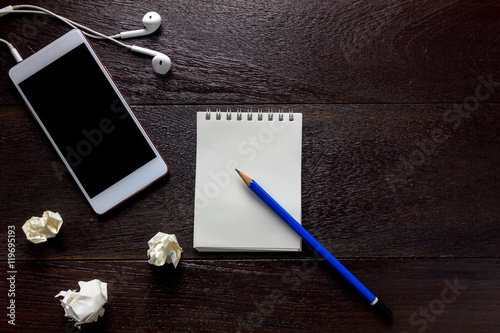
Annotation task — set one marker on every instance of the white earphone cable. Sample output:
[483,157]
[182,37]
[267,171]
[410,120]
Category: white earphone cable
[87,31]
[13,50]
[161,63]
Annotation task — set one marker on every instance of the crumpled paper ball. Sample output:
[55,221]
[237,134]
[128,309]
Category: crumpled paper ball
[38,229]
[85,306]
[164,248]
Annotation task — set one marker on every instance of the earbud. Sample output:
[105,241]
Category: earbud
[151,21]
[161,62]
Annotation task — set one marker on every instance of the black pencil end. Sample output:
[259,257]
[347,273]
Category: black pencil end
[383,311]
[238,171]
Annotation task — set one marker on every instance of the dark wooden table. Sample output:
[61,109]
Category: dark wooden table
[400,181]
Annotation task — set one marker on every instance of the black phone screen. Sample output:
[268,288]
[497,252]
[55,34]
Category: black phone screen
[87,121]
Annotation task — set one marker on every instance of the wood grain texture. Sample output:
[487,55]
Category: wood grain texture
[265,295]
[441,206]
[287,51]
[400,181]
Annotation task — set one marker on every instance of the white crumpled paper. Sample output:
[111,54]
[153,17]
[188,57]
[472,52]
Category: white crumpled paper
[38,229]
[85,306]
[164,248]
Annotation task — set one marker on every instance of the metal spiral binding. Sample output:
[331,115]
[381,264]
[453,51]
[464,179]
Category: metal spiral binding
[239,114]
[270,114]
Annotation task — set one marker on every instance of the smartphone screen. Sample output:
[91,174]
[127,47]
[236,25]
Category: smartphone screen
[87,120]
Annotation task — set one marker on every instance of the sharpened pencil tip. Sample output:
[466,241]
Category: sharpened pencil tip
[244,177]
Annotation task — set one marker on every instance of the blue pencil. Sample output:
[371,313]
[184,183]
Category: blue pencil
[302,232]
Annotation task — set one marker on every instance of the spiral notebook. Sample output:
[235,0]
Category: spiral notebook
[264,144]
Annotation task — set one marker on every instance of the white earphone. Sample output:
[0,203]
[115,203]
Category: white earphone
[152,21]
[161,62]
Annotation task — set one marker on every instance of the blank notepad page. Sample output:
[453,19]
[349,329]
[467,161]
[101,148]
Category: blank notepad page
[267,146]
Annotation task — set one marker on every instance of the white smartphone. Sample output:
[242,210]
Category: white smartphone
[87,120]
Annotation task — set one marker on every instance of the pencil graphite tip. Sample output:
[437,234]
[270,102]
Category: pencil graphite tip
[244,177]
